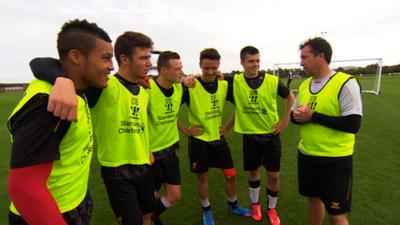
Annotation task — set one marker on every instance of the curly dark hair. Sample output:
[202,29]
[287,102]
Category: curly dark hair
[128,41]
[248,50]
[318,45]
[164,57]
[80,35]
[210,53]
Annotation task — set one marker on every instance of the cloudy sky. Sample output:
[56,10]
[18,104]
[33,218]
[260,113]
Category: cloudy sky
[356,29]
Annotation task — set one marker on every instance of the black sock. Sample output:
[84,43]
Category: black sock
[208,208]
[254,184]
[233,204]
[272,193]
[160,208]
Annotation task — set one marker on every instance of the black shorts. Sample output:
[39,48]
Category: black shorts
[204,155]
[130,190]
[328,178]
[165,168]
[81,215]
[261,149]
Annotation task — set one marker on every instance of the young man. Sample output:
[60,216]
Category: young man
[329,110]
[165,96]
[120,121]
[50,159]
[256,117]
[207,145]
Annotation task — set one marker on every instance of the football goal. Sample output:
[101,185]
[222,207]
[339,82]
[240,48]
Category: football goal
[368,72]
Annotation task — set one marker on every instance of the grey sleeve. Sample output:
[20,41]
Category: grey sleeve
[350,98]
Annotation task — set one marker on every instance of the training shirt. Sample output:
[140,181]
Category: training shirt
[323,140]
[256,109]
[163,113]
[36,142]
[49,68]
[36,133]
[206,109]
[254,83]
[120,120]
[349,98]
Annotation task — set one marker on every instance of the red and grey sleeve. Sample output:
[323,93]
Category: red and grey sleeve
[28,190]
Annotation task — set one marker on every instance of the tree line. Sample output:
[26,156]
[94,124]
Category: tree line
[367,70]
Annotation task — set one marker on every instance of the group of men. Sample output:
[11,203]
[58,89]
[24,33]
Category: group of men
[74,108]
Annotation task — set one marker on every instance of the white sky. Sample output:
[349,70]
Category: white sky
[355,29]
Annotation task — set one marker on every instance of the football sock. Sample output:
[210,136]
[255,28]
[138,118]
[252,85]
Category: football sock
[272,198]
[254,188]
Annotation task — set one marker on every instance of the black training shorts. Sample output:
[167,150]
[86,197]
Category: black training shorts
[130,191]
[327,178]
[165,168]
[261,149]
[80,215]
[204,155]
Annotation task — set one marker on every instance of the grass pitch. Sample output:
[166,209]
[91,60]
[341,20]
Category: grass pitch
[376,194]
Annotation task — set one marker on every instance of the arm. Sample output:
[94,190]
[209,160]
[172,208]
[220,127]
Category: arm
[63,102]
[152,159]
[182,127]
[190,81]
[292,119]
[36,137]
[190,131]
[280,127]
[36,207]
[229,95]
[285,93]
[185,96]
[349,124]
[47,69]
[226,128]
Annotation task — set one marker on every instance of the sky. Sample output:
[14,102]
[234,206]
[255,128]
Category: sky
[356,29]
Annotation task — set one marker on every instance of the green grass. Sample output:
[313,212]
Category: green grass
[376,171]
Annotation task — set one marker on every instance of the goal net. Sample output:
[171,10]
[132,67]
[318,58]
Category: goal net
[368,72]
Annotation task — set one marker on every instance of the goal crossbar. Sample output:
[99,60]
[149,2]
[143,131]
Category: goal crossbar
[377,84]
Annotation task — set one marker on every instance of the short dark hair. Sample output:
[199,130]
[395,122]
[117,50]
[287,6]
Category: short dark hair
[319,45]
[80,35]
[128,41]
[248,50]
[164,57]
[210,53]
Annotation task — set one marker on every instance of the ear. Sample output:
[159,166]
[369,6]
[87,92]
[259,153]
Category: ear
[123,59]
[75,56]
[241,62]
[321,56]
[163,69]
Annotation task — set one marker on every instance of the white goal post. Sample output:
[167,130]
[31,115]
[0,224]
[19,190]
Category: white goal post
[368,71]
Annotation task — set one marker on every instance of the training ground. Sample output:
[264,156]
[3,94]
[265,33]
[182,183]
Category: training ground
[376,184]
